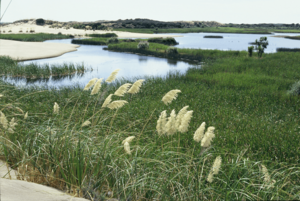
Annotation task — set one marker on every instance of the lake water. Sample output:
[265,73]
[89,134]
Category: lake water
[135,66]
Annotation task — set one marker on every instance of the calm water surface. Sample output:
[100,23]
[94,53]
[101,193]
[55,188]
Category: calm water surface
[136,67]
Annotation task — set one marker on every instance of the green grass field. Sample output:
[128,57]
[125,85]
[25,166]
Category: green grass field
[256,123]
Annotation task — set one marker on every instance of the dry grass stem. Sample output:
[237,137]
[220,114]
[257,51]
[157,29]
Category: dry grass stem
[170,126]
[135,87]
[171,95]
[117,104]
[55,108]
[90,84]
[161,123]
[112,76]
[97,87]
[122,89]
[180,115]
[128,139]
[127,148]
[107,100]
[199,134]
[184,126]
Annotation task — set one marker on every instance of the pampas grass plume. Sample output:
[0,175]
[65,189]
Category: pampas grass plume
[55,108]
[122,89]
[208,136]
[3,120]
[86,123]
[128,139]
[170,126]
[107,100]
[214,169]
[97,87]
[127,148]
[180,115]
[117,104]
[135,87]
[12,123]
[171,95]
[161,123]
[26,115]
[112,76]
[199,134]
[185,122]
[90,84]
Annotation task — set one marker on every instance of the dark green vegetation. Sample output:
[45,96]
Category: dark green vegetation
[210,30]
[165,41]
[34,37]
[160,50]
[212,36]
[281,49]
[11,68]
[90,41]
[106,35]
[40,21]
[245,98]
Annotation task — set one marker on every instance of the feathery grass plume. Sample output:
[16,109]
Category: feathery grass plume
[199,132]
[90,84]
[128,139]
[208,136]
[97,87]
[86,123]
[171,95]
[267,177]
[180,115]
[127,148]
[122,89]
[1,95]
[117,104]
[170,126]
[184,127]
[135,87]
[107,100]
[3,120]
[214,169]
[26,115]
[12,123]
[10,130]
[20,110]
[55,108]
[112,76]
[161,123]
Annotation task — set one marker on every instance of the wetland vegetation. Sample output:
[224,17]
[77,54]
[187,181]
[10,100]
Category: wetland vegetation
[39,37]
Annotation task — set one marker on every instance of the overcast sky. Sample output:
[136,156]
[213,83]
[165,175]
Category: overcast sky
[224,11]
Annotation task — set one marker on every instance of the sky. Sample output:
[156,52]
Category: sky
[223,11]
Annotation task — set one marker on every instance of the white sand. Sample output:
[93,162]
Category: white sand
[38,50]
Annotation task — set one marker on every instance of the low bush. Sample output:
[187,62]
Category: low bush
[166,41]
[172,50]
[143,45]
[113,40]
[106,35]
[40,21]
[250,51]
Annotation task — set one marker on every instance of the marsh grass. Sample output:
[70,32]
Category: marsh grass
[11,68]
[256,126]
[40,37]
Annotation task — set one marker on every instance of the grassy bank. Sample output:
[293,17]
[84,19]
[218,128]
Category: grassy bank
[40,37]
[293,37]
[11,68]
[159,50]
[211,30]
[245,99]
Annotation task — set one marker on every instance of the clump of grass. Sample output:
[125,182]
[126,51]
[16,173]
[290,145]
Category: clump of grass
[295,89]
[143,45]
[165,41]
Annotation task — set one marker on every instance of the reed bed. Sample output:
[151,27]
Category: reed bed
[40,37]
[106,35]
[247,149]
[11,68]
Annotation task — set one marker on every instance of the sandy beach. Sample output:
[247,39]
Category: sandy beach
[37,50]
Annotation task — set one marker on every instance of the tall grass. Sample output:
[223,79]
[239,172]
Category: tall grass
[34,37]
[256,126]
[11,68]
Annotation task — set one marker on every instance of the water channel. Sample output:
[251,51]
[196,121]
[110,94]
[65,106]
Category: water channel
[136,66]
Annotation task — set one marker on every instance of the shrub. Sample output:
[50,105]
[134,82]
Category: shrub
[250,51]
[143,45]
[172,50]
[166,41]
[106,35]
[261,45]
[295,90]
[113,40]
[40,21]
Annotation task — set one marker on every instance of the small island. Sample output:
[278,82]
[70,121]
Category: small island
[213,37]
